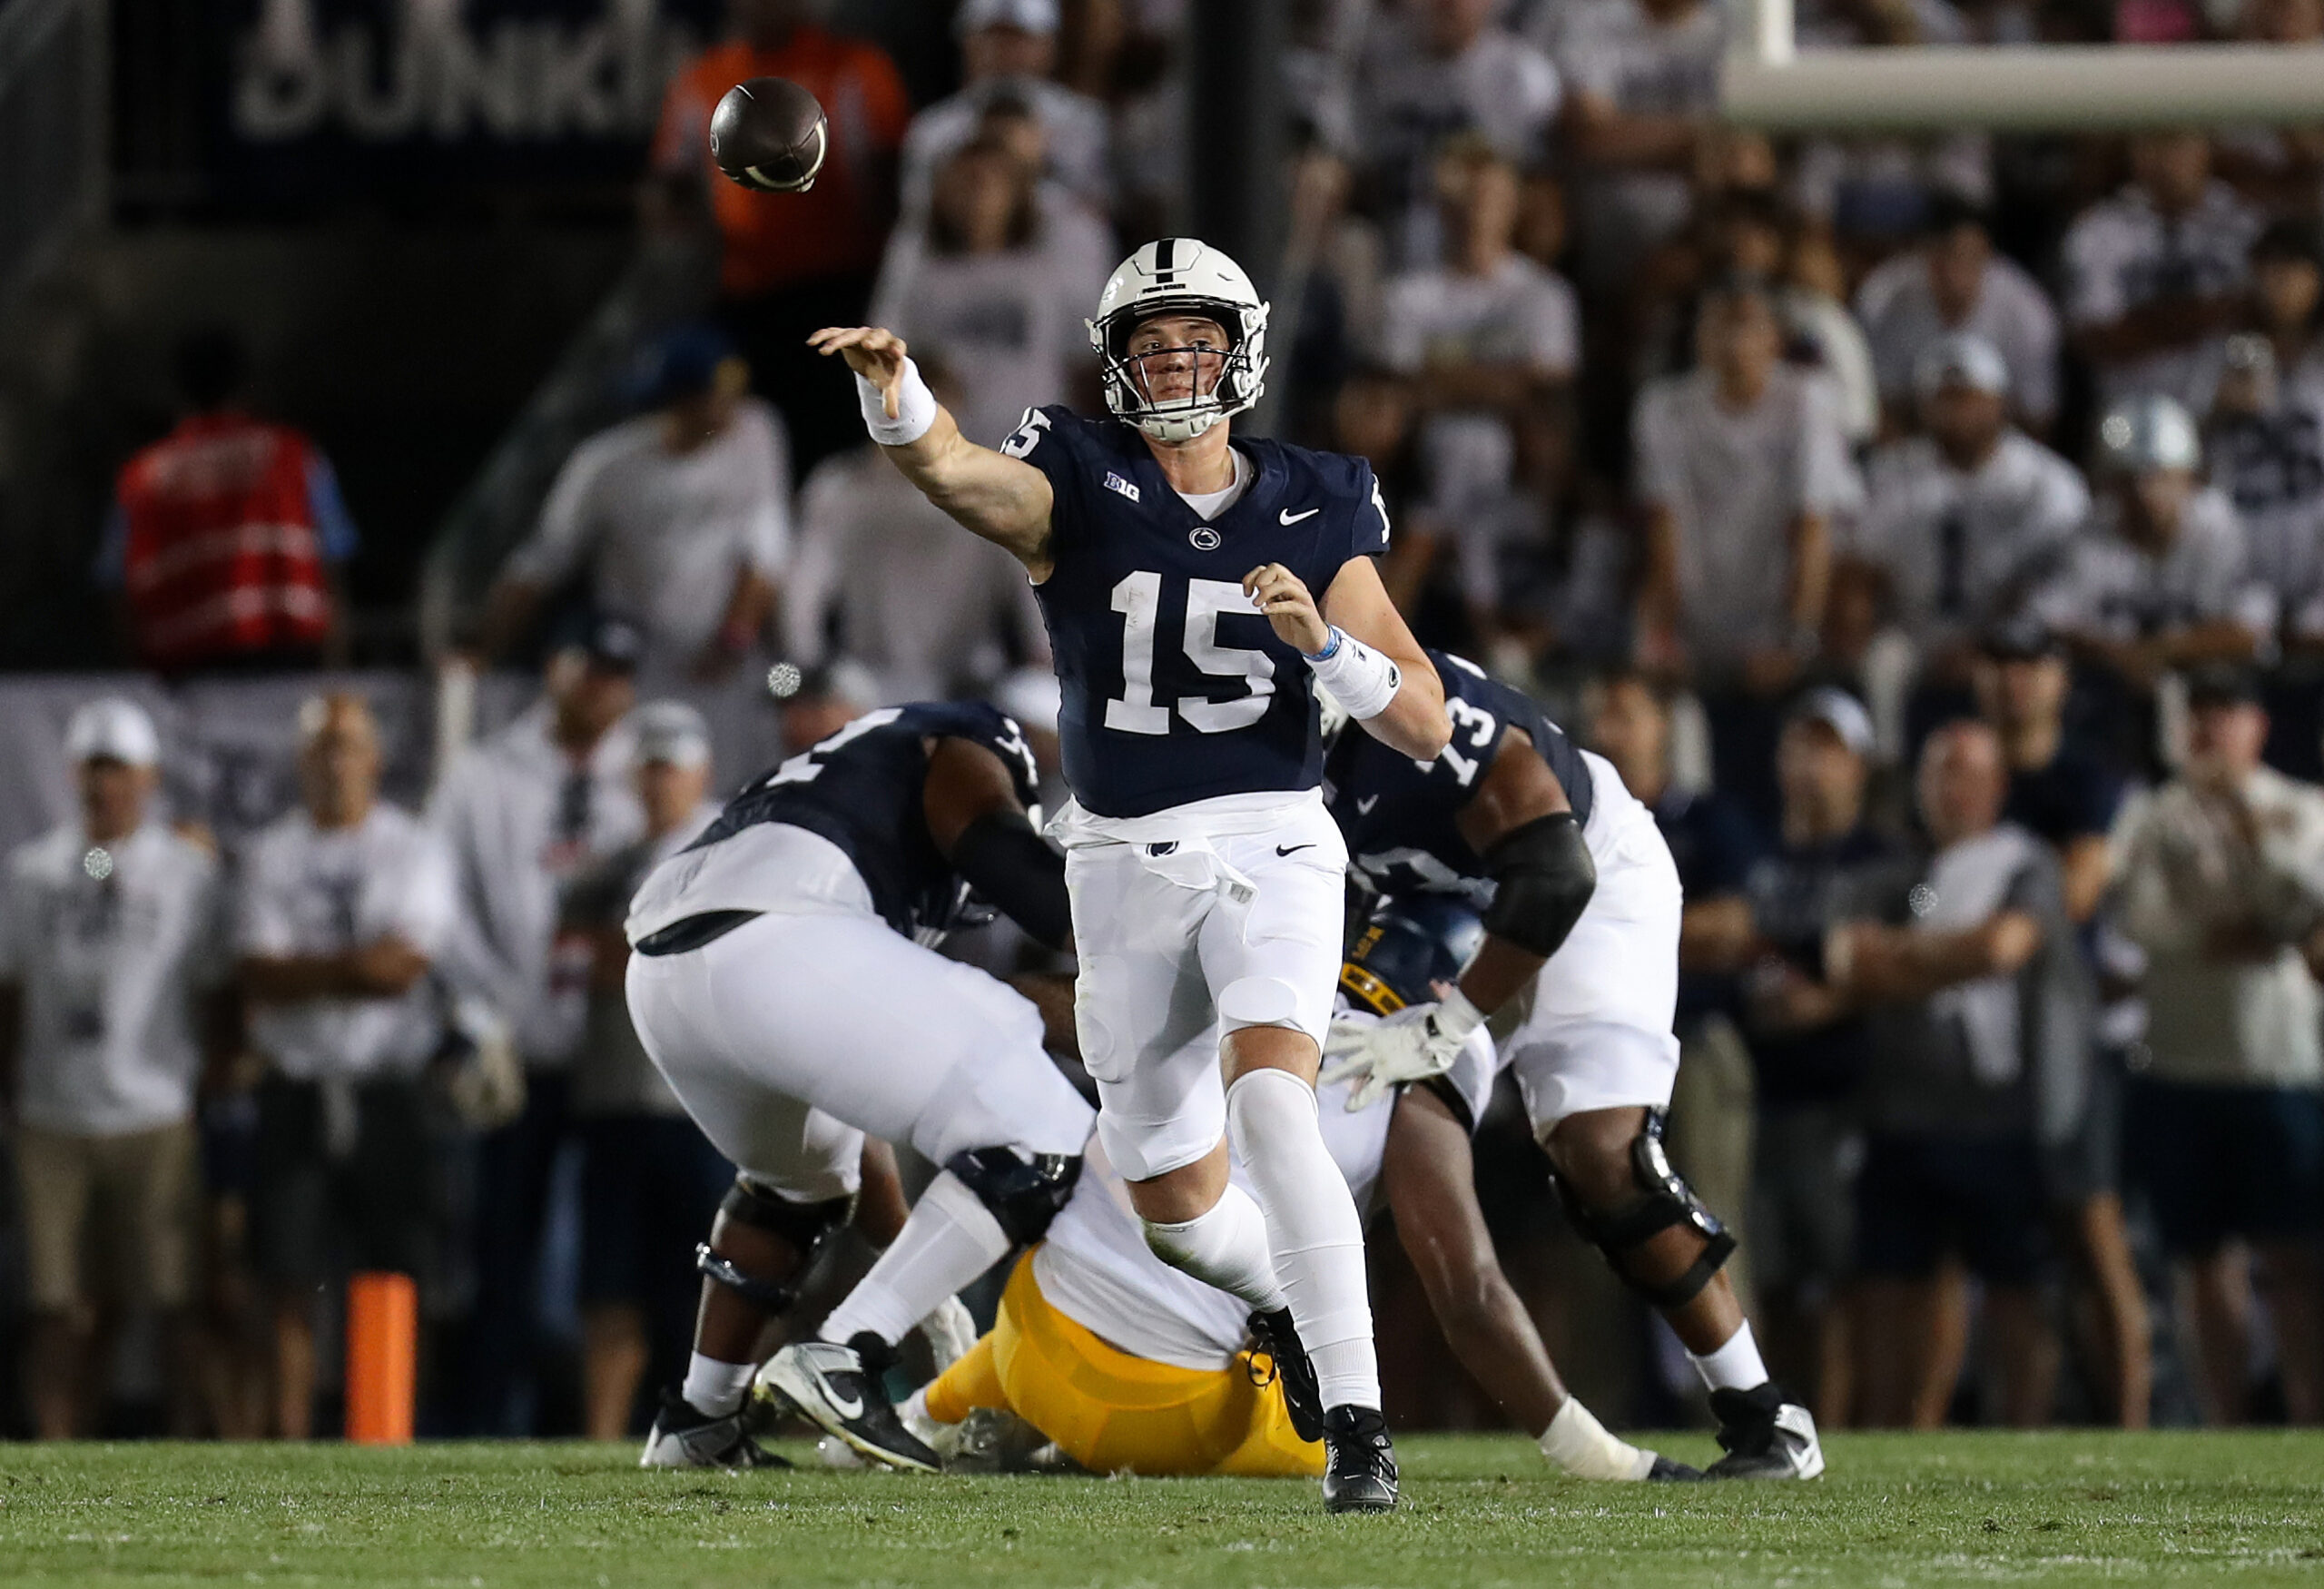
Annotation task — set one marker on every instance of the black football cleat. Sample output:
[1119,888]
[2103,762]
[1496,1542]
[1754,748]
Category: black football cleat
[1274,1337]
[844,1390]
[1765,1435]
[1359,1461]
[685,1436]
[1667,1472]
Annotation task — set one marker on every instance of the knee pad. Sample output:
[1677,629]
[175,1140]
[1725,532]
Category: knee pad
[1023,1191]
[1664,1200]
[806,1225]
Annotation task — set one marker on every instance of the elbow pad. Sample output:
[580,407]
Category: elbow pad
[1543,880]
[1006,862]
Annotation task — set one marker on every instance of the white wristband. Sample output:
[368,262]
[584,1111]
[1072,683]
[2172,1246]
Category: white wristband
[915,409]
[1457,1015]
[1360,678]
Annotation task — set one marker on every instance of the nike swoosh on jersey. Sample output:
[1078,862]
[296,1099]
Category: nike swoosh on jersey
[1293,849]
[1288,517]
[1363,806]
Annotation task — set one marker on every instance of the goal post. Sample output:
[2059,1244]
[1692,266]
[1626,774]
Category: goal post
[1766,81]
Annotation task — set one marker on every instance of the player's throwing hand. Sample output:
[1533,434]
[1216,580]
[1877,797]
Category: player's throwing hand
[1277,592]
[875,354]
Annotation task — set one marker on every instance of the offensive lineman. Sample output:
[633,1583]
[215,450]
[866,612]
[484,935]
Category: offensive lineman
[1124,1363]
[783,981]
[1196,592]
[1582,902]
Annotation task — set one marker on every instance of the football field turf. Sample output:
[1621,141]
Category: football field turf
[2068,1508]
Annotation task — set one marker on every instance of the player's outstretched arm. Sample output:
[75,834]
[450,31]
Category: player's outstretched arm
[1430,1181]
[1004,499]
[973,816]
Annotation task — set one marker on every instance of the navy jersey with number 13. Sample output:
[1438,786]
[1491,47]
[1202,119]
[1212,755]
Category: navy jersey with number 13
[1402,817]
[1175,688]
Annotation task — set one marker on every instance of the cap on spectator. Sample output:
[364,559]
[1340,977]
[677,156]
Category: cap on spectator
[1960,359]
[114,730]
[671,732]
[2147,432]
[1028,16]
[1839,711]
[613,644]
[2021,638]
[1032,697]
[683,363]
[2223,684]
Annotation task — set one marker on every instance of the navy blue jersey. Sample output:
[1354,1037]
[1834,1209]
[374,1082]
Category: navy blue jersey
[862,789]
[1401,816]
[1176,688]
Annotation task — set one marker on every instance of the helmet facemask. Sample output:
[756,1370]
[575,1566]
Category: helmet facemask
[1241,366]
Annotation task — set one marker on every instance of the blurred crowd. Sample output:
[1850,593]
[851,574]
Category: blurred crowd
[1930,529]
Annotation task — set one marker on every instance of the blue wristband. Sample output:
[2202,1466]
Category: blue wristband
[1331,648]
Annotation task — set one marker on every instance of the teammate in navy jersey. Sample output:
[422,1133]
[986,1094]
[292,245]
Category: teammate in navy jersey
[1581,903]
[1197,589]
[785,982]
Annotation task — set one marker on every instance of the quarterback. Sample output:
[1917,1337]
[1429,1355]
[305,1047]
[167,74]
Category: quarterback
[1196,590]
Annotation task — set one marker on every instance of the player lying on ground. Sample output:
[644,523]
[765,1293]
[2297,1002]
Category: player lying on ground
[1581,905]
[778,985]
[1196,591]
[1124,1363]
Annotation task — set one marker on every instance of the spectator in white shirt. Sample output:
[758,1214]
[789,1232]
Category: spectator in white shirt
[2266,427]
[2160,578]
[2155,274]
[1008,53]
[1438,68]
[344,906]
[1741,467]
[1964,522]
[680,517]
[1954,281]
[650,1181]
[996,282]
[1643,95]
[523,812]
[886,577]
[109,950]
[2219,878]
[1486,337]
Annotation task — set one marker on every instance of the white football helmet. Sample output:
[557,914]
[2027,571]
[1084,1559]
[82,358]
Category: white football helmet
[1179,275]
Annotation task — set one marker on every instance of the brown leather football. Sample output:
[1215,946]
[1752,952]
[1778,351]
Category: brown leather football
[770,134]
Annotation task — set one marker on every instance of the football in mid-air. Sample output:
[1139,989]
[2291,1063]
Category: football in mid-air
[770,134]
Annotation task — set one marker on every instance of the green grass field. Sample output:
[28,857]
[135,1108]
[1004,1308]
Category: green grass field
[2186,1509]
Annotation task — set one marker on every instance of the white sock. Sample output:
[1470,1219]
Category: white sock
[714,1387]
[1226,1248]
[1735,1365]
[1311,1228]
[1577,1443]
[950,1239]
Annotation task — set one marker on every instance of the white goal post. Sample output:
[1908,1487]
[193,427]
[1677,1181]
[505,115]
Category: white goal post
[1766,81]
